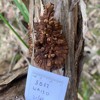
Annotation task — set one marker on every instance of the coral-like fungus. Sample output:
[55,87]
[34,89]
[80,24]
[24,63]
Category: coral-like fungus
[50,46]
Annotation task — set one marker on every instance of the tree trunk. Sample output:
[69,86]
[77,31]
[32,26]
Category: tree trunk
[71,20]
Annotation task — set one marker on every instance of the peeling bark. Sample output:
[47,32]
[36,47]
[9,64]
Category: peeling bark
[71,20]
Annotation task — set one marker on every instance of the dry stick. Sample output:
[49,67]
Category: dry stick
[31,29]
[42,7]
[31,14]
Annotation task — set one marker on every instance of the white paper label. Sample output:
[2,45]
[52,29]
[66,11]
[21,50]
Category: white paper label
[44,85]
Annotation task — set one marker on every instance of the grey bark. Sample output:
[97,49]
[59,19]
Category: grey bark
[71,20]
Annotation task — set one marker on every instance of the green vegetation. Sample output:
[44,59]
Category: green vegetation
[18,36]
[22,9]
[85,89]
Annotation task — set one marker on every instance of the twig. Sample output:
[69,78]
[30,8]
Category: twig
[42,7]
[31,29]
[31,14]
